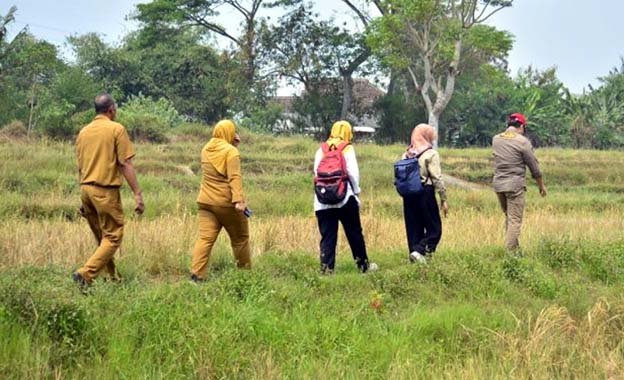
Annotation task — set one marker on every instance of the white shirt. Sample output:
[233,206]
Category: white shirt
[353,188]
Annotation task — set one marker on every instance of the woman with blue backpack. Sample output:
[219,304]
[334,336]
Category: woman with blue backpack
[336,190]
[423,225]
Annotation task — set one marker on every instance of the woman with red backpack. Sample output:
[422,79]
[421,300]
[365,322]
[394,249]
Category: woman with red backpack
[337,186]
[420,211]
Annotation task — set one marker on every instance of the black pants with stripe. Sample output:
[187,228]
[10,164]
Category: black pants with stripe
[423,225]
[349,216]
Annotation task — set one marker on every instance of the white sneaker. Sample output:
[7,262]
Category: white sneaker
[373,267]
[417,257]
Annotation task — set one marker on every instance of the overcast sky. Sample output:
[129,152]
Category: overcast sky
[582,38]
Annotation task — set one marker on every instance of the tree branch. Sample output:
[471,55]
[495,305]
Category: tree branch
[365,20]
[236,5]
[211,26]
[353,65]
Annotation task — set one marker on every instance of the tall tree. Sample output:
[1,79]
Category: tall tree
[30,66]
[429,38]
[203,14]
[5,45]
[359,56]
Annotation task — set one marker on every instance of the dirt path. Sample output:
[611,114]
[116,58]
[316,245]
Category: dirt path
[457,182]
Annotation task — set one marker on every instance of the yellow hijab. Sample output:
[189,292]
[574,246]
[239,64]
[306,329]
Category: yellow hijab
[220,147]
[341,131]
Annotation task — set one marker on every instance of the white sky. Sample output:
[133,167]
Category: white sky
[582,38]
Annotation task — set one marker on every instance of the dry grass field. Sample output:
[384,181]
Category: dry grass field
[473,312]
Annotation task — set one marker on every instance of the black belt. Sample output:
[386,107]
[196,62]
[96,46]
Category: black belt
[102,186]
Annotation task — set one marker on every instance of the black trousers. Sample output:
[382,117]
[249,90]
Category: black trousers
[423,225]
[349,216]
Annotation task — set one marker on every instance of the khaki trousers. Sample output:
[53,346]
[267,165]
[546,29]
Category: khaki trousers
[512,203]
[103,211]
[211,219]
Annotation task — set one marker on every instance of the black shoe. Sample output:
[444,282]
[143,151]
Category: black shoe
[196,279]
[82,283]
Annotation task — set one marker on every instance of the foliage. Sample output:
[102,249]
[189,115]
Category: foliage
[160,109]
[398,118]
[171,57]
[263,119]
[318,108]
[432,40]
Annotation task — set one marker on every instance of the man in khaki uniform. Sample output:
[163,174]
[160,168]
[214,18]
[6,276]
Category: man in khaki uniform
[512,154]
[104,153]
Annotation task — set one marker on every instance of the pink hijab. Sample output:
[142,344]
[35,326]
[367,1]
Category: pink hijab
[422,138]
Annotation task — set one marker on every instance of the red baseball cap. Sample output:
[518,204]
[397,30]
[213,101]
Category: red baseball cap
[517,117]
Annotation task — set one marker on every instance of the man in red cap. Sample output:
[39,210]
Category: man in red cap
[512,154]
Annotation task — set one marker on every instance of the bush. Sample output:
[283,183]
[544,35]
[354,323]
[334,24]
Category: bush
[55,120]
[161,110]
[144,127]
[80,119]
[15,129]
[262,119]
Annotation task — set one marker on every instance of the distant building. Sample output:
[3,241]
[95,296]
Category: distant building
[365,120]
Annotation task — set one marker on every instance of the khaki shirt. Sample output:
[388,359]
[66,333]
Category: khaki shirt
[221,190]
[100,147]
[512,154]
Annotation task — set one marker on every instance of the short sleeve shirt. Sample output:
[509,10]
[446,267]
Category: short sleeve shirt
[100,147]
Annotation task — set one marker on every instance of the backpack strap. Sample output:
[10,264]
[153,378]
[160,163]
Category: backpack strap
[423,152]
[325,147]
[342,146]
[428,172]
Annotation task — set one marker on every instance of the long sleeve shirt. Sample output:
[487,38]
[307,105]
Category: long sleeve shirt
[353,188]
[221,190]
[431,171]
[512,154]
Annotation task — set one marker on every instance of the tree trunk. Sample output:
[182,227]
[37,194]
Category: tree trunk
[347,95]
[434,121]
[32,107]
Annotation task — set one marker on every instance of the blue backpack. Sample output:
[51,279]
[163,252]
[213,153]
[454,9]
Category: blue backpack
[407,176]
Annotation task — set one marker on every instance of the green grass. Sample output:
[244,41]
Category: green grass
[473,312]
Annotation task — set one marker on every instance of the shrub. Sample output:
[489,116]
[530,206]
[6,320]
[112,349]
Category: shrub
[144,127]
[15,129]
[55,120]
[262,119]
[80,119]
[161,110]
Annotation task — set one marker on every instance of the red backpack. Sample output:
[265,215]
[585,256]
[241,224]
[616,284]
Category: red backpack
[331,180]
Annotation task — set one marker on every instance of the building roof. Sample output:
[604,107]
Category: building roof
[365,94]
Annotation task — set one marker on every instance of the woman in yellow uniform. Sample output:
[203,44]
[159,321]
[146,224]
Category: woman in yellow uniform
[221,201]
